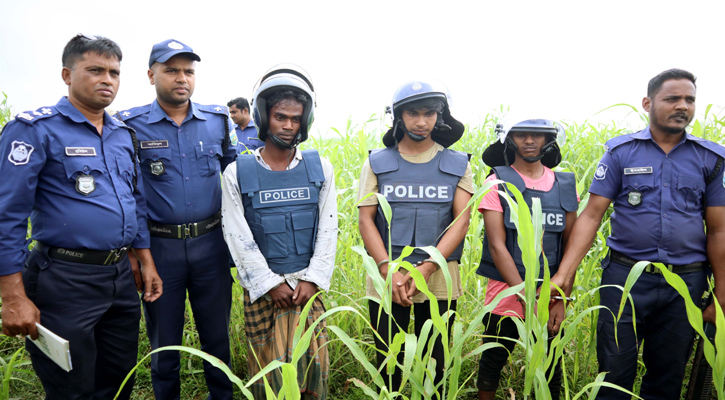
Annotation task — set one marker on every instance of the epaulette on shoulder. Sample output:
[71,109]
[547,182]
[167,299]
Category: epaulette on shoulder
[125,115]
[618,141]
[29,117]
[213,108]
[712,146]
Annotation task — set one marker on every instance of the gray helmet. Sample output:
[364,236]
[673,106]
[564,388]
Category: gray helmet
[281,77]
[503,150]
[447,130]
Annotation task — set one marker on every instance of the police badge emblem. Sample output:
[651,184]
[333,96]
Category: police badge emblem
[601,172]
[157,168]
[634,198]
[20,153]
[85,184]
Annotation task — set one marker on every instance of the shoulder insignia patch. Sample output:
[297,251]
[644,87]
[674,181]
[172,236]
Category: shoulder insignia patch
[601,172]
[20,153]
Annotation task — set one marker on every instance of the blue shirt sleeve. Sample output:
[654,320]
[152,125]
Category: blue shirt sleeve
[143,237]
[715,190]
[17,190]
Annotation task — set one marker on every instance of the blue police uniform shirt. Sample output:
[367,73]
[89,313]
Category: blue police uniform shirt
[658,198]
[181,164]
[247,137]
[43,153]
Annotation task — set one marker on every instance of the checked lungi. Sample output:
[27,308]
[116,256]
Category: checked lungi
[270,332]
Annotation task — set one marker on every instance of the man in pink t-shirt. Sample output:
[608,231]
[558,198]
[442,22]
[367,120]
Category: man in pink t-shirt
[523,156]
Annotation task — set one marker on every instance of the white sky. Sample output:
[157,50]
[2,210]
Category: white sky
[557,59]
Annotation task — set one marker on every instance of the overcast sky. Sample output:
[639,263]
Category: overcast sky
[561,59]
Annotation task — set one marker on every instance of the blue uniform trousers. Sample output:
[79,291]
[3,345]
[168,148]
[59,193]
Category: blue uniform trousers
[94,307]
[661,324]
[201,266]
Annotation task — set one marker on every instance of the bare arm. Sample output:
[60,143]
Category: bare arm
[496,233]
[579,241]
[715,220]
[376,249]
[19,314]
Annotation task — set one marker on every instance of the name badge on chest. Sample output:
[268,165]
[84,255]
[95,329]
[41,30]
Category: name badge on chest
[157,168]
[80,151]
[154,144]
[85,184]
[637,170]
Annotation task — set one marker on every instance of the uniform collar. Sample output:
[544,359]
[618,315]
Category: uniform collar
[157,113]
[65,107]
[646,134]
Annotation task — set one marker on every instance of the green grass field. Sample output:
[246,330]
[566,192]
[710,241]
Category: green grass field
[351,337]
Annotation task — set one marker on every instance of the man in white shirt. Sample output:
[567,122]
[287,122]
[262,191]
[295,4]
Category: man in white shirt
[279,217]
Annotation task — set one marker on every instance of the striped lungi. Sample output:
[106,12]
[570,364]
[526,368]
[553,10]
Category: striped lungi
[270,332]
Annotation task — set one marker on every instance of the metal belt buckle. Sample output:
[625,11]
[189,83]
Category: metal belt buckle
[114,256]
[187,231]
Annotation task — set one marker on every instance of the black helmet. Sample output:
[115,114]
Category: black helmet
[502,151]
[283,76]
[447,129]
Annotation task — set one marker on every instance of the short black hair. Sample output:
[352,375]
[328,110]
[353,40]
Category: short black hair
[655,84]
[240,102]
[285,94]
[431,104]
[81,44]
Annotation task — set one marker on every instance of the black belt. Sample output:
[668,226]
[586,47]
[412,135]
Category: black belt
[85,256]
[620,258]
[184,231]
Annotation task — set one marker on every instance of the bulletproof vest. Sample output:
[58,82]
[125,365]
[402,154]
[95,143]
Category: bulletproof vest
[421,199]
[281,209]
[554,205]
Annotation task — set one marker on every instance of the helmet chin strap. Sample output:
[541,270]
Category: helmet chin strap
[284,145]
[414,137]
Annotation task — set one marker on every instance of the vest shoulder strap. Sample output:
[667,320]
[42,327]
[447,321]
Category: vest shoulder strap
[383,160]
[247,174]
[454,162]
[314,166]
[510,175]
[567,190]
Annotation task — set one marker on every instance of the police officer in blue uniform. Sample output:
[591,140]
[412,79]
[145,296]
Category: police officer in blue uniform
[183,147]
[71,168]
[663,182]
[245,131]
[422,181]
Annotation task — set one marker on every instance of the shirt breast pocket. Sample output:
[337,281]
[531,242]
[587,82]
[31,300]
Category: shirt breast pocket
[688,196]
[154,162]
[643,184]
[85,175]
[126,172]
[208,156]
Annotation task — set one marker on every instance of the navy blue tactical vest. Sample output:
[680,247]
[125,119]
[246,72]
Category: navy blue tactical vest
[554,205]
[421,199]
[281,209]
